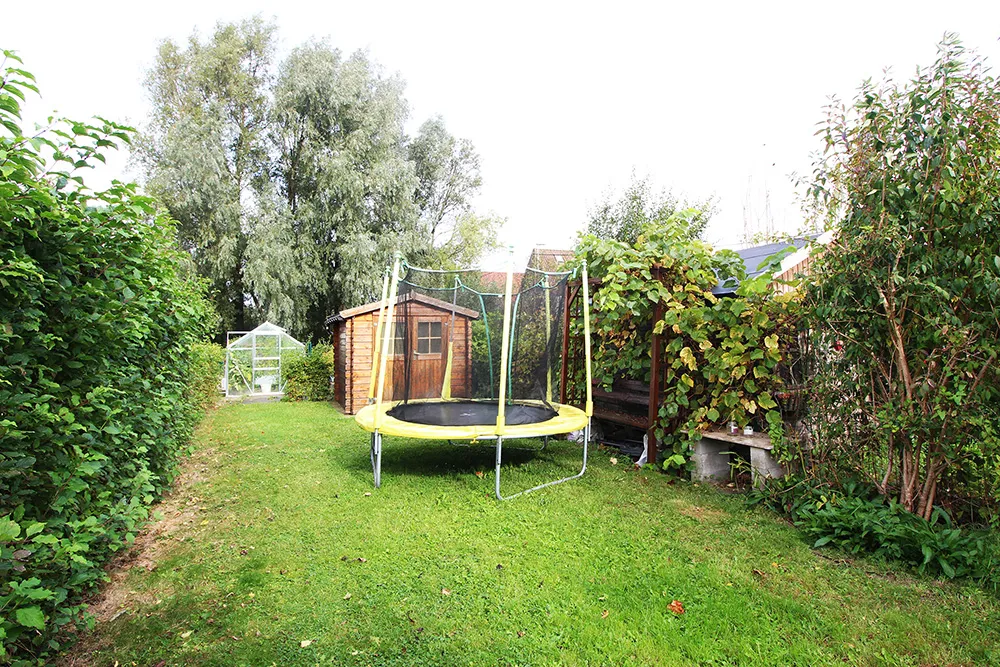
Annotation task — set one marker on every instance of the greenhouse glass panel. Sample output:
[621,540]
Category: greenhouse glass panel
[254,360]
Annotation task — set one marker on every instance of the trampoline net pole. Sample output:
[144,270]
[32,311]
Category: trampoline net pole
[586,340]
[505,347]
[385,343]
[378,338]
[548,340]
[446,383]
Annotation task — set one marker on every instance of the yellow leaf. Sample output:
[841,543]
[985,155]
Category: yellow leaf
[688,358]
[185,635]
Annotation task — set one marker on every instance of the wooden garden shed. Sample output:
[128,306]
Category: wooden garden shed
[429,321]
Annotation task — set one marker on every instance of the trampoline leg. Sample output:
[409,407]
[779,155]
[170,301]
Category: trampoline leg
[545,443]
[499,449]
[586,443]
[376,456]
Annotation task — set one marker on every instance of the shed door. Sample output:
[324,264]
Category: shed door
[428,356]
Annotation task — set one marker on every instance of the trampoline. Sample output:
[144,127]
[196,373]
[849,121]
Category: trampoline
[454,358]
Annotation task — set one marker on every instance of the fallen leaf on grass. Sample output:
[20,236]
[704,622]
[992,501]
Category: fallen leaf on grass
[445,591]
[347,596]
[758,573]
[479,474]
[367,493]
[362,560]
[305,642]
[614,461]
[604,614]
[520,633]
[676,607]
[185,635]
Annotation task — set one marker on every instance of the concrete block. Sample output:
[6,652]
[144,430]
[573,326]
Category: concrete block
[711,463]
[764,466]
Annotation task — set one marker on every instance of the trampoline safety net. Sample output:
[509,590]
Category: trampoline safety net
[444,361]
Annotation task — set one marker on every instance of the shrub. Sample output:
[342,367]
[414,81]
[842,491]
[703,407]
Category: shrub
[309,377]
[96,327]
[207,366]
[858,520]
[903,311]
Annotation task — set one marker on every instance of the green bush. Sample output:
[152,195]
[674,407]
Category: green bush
[207,366]
[97,327]
[857,519]
[308,377]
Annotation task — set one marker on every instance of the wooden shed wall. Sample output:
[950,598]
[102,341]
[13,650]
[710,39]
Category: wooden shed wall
[354,339]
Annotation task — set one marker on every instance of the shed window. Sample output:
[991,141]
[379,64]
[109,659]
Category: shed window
[428,337]
[398,345]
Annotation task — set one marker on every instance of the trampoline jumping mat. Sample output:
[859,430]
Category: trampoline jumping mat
[469,413]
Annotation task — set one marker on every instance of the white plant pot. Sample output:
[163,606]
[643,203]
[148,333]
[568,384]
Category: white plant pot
[265,384]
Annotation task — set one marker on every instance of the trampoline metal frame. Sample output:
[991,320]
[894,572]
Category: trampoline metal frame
[385,321]
[376,459]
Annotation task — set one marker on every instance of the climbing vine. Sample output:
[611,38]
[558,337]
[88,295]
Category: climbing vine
[721,354]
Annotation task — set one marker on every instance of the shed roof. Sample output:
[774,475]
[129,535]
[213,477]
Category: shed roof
[755,260]
[409,296]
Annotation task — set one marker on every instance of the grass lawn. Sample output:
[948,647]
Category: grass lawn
[276,550]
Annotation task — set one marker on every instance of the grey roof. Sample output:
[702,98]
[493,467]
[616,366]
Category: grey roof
[755,261]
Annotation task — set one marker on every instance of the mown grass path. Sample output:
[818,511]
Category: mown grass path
[272,552]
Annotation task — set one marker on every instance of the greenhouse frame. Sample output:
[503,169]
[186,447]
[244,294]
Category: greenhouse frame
[254,360]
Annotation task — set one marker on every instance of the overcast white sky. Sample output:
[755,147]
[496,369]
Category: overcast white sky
[564,101]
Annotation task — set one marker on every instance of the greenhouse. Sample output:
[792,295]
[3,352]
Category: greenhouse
[254,360]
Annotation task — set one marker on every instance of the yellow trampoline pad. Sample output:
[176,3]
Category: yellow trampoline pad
[566,420]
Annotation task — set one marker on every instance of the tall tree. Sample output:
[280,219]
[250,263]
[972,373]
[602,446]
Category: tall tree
[908,292]
[346,185]
[622,219]
[294,187]
[204,153]
[449,179]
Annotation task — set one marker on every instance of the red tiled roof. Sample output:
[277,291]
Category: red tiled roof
[497,280]
[548,259]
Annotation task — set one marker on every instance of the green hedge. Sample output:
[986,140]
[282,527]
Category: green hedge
[97,328]
[207,366]
[308,377]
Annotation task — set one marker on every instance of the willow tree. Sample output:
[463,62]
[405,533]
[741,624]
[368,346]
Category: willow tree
[345,183]
[204,151]
[905,305]
[294,183]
